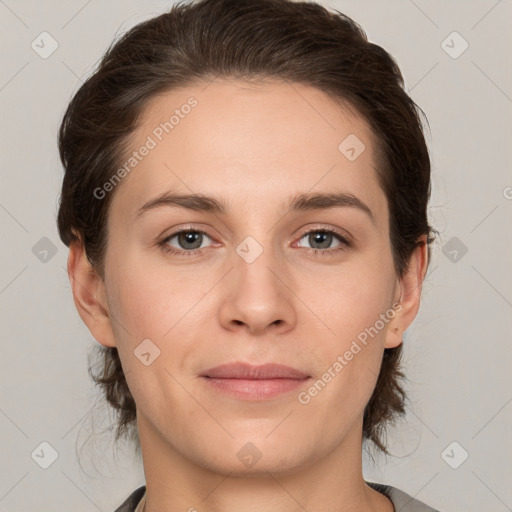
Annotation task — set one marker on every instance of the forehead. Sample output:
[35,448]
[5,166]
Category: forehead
[247,141]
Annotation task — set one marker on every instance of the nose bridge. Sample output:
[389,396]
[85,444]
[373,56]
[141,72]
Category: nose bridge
[258,296]
[257,262]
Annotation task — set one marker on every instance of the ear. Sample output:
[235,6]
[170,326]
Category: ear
[89,295]
[410,283]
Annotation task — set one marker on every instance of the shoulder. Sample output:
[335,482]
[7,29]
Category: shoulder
[401,500]
[130,504]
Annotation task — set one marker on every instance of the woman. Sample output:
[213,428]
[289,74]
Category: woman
[245,205]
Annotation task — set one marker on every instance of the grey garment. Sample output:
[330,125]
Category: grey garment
[130,504]
[401,501]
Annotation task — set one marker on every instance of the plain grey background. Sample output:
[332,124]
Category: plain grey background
[458,351]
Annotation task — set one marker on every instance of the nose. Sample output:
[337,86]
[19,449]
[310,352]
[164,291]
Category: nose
[259,298]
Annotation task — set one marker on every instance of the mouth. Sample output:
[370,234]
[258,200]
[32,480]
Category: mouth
[247,382]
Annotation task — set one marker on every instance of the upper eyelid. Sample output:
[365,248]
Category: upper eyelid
[337,231]
[189,229]
[343,237]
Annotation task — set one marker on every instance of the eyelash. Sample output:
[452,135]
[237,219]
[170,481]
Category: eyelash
[317,252]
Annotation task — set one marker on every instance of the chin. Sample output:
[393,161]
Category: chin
[256,456]
[276,465]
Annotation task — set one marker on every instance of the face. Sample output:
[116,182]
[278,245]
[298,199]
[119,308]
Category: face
[264,279]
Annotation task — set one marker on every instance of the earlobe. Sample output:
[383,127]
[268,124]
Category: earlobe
[89,295]
[411,285]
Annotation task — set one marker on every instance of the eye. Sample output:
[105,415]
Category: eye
[321,240]
[189,241]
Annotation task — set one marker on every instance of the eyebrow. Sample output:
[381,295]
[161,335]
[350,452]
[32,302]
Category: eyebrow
[300,202]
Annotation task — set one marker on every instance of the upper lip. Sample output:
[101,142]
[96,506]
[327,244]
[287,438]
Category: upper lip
[254,372]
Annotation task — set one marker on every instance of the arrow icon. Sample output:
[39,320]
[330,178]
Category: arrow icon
[249,253]
[44,45]
[351,147]
[454,455]
[146,352]
[249,455]
[454,45]
[454,249]
[44,250]
[44,455]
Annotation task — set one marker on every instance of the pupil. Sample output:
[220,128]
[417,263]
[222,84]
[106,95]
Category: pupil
[190,238]
[317,238]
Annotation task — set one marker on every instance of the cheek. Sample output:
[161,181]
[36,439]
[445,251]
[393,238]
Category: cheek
[152,301]
[154,312]
[354,298]
[350,364]
[357,306]
[160,314]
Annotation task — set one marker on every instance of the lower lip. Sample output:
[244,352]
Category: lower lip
[252,389]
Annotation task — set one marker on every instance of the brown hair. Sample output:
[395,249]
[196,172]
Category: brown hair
[287,40]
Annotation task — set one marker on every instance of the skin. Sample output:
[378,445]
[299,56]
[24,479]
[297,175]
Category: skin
[255,146]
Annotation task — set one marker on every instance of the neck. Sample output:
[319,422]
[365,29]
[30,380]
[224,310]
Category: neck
[334,482]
